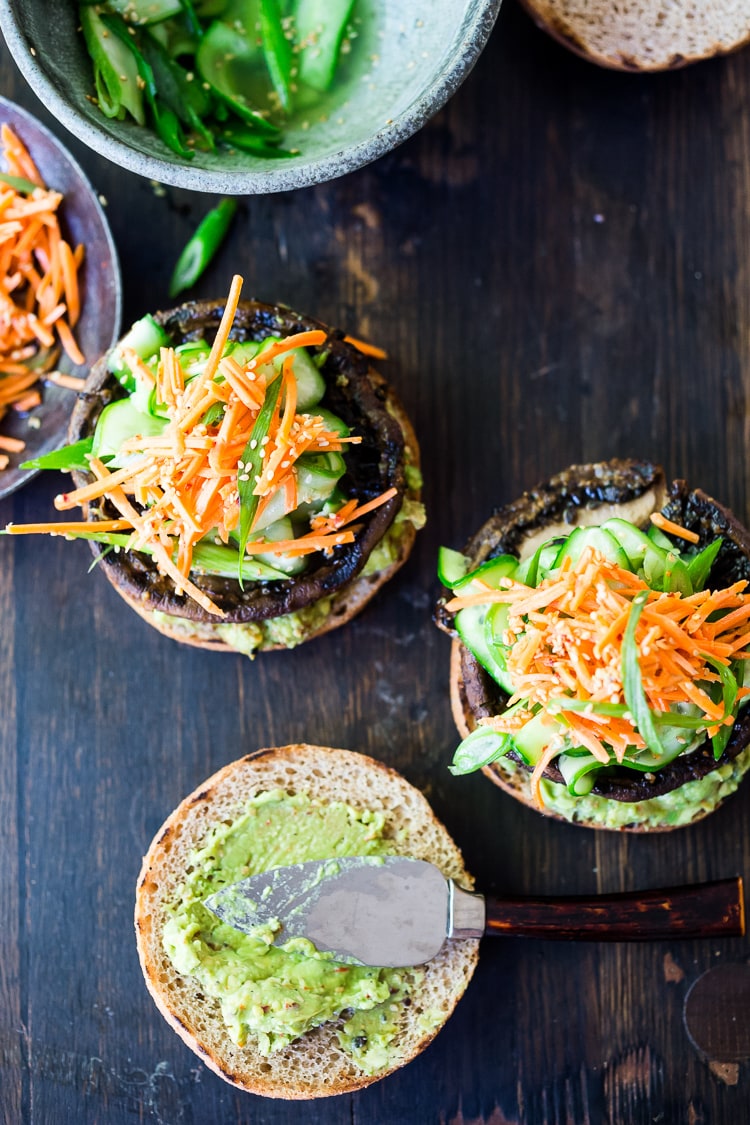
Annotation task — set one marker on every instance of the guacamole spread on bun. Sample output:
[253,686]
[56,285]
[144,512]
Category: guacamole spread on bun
[289,1021]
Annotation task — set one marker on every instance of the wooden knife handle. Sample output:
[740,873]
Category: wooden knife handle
[703,910]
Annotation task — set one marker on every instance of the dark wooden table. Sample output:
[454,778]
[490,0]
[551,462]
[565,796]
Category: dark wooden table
[559,266]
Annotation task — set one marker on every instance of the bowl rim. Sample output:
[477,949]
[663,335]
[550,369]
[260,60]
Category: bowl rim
[446,81]
[9,479]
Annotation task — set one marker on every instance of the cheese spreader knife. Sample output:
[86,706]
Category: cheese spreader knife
[394,911]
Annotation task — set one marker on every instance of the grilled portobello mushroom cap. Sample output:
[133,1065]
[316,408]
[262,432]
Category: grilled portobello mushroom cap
[355,392]
[590,494]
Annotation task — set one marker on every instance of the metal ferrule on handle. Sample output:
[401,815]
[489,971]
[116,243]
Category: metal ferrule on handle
[466,913]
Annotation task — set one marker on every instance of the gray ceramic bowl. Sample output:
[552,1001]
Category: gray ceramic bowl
[82,220]
[408,60]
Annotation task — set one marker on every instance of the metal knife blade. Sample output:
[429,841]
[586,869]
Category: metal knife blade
[389,911]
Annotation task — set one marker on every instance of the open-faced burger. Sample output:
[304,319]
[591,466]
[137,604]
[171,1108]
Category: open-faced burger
[250,481]
[601,635]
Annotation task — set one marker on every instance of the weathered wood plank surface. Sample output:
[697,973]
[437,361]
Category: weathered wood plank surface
[558,266]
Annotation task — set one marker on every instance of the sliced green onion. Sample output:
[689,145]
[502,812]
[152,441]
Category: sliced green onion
[277,50]
[165,119]
[252,460]
[554,706]
[18,183]
[66,459]
[677,576]
[632,682]
[186,99]
[478,749]
[144,11]
[247,140]
[208,558]
[115,70]
[699,567]
[321,25]
[729,689]
[214,414]
[201,248]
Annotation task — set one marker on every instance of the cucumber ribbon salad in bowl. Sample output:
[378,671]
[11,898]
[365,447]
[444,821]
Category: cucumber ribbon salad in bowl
[611,649]
[208,73]
[221,482]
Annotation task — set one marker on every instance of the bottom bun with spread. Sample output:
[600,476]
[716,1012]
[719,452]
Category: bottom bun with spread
[288,1022]
[601,632]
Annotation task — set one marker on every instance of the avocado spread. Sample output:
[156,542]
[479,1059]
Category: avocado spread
[671,809]
[277,993]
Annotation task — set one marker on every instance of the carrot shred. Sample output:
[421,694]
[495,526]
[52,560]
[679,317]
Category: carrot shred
[365,348]
[70,382]
[11,444]
[66,528]
[27,402]
[671,528]
[37,309]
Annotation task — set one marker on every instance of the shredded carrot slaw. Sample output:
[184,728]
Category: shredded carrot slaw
[186,480]
[566,638]
[39,291]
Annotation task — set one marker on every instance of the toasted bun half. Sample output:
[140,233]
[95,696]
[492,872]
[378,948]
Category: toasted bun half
[694,784]
[314,1065]
[367,403]
[644,35]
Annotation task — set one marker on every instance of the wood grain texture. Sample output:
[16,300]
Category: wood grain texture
[559,267]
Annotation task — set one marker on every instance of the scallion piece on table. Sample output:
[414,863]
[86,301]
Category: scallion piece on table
[202,246]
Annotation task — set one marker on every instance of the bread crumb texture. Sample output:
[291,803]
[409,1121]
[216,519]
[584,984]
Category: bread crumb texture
[314,1065]
[645,34]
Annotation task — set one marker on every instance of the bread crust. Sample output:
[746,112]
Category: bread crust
[502,527]
[314,1065]
[547,16]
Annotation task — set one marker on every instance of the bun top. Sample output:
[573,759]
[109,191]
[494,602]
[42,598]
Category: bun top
[643,35]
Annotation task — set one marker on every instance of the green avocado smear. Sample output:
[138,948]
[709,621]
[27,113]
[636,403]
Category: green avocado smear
[274,994]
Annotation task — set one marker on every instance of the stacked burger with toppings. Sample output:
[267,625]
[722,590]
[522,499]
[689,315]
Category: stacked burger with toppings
[601,636]
[249,479]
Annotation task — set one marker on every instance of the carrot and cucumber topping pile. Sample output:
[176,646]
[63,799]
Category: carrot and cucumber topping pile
[39,294]
[611,647]
[225,74]
[221,460]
